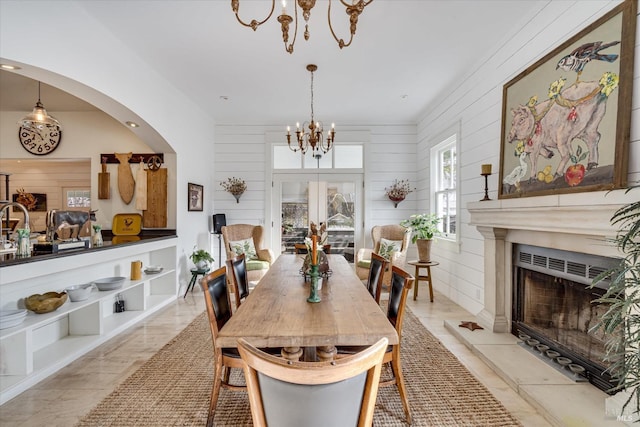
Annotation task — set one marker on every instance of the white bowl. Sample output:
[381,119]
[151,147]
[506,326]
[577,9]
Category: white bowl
[11,318]
[79,292]
[109,283]
[152,269]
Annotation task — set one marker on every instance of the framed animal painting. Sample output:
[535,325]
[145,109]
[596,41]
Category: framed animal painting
[566,119]
[195,193]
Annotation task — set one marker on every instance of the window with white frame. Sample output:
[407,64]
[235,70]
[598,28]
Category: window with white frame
[444,173]
[342,156]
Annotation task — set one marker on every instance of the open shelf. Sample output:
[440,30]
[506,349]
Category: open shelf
[45,343]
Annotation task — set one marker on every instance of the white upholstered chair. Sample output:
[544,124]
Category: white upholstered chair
[247,239]
[381,236]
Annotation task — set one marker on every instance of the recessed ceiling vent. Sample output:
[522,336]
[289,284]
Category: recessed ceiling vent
[579,267]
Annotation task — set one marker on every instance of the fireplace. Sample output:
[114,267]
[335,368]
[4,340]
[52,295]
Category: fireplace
[553,305]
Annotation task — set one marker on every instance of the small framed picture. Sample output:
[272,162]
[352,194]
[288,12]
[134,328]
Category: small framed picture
[195,194]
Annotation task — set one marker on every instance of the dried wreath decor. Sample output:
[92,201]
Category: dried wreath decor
[398,191]
[235,186]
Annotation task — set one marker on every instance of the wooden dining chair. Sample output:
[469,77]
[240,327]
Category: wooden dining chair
[216,298]
[376,275]
[401,283]
[238,278]
[312,394]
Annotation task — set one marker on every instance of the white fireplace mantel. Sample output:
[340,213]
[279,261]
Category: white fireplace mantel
[577,222]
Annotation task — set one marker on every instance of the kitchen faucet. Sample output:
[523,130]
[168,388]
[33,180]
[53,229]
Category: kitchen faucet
[25,215]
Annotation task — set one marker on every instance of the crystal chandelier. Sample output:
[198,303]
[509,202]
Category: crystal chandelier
[39,118]
[353,9]
[311,134]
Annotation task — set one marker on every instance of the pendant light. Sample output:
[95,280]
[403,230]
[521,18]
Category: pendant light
[39,117]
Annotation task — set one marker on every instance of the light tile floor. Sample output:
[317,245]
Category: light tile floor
[63,398]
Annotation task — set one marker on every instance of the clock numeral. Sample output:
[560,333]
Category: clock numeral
[53,141]
[26,141]
[47,147]
[33,145]
[39,148]
[53,133]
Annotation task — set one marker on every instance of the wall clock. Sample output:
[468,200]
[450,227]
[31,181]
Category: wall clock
[40,140]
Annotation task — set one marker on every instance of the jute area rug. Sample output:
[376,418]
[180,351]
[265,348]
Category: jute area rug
[174,386]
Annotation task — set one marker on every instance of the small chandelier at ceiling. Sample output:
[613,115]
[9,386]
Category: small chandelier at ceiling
[39,118]
[312,134]
[353,9]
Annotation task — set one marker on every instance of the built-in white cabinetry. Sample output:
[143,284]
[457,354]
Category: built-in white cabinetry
[44,343]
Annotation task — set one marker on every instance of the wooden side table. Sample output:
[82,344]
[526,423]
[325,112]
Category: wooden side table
[195,272]
[418,276]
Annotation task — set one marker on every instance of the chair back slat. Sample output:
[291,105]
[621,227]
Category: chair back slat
[336,404]
[401,282]
[376,273]
[238,268]
[216,296]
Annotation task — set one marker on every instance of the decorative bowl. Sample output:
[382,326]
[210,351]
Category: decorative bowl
[45,303]
[542,348]
[109,283]
[531,342]
[564,361]
[576,369]
[153,269]
[79,292]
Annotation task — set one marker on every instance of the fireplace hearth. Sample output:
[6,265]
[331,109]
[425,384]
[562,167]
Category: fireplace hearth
[553,305]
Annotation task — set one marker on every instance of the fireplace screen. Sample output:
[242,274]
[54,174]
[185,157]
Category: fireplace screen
[553,304]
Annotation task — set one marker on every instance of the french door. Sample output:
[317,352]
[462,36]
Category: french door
[335,199]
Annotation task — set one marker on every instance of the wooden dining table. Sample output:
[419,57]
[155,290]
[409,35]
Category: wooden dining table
[276,313]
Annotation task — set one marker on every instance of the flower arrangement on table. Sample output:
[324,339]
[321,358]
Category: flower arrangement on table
[315,243]
[398,191]
[235,186]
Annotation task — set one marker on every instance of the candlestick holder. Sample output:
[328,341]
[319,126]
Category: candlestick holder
[486,187]
[313,285]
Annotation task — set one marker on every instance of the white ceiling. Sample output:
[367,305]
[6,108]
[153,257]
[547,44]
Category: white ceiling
[404,56]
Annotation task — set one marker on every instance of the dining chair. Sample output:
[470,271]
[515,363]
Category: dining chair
[376,274]
[312,394]
[218,306]
[401,283]
[238,277]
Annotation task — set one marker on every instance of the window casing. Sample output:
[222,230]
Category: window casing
[444,178]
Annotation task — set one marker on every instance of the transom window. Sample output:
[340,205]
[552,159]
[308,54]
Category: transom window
[339,157]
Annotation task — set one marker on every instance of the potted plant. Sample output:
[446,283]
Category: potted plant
[621,322]
[398,191]
[201,258]
[422,227]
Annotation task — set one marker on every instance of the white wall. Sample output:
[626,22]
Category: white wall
[241,151]
[476,104]
[87,55]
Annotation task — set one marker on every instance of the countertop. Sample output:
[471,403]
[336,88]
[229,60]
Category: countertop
[110,242]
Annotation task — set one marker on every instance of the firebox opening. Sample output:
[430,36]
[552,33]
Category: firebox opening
[553,304]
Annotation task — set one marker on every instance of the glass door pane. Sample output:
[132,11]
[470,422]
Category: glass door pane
[318,198]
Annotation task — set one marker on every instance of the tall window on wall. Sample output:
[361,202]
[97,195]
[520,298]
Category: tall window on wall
[444,174]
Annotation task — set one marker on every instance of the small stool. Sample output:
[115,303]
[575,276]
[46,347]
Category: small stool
[195,272]
[427,265]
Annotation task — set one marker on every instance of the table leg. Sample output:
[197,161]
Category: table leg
[416,284]
[191,284]
[291,353]
[326,353]
[430,283]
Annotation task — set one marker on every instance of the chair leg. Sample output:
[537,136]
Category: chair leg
[397,371]
[215,392]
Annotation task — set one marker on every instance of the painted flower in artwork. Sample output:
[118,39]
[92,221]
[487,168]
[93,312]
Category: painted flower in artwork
[608,82]
[556,87]
[27,199]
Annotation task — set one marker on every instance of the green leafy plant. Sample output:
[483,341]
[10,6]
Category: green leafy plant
[422,226]
[200,255]
[621,322]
